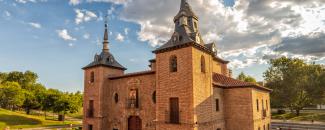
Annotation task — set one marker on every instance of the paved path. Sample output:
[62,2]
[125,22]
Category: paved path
[51,128]
[297,125]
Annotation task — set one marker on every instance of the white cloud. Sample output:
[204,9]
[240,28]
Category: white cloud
[110,1]
[35,25]
[126,31]
[31,1]
[71,45]
[74,2]
[65,35]
[84,16]
[119,37]
[247,24]
[86,36]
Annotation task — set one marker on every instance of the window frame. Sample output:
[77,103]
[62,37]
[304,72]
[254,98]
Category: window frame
[173,66]
[202,64]
[92,77]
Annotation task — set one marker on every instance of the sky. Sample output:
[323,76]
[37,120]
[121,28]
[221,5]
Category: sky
[56,38]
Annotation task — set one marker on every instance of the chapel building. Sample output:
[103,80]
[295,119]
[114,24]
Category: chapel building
[188,87]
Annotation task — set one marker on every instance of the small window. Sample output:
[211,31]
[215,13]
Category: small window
[267,105]
[268,126]
[257,107]
[180,38]
[195,25]
[259,128]
[217,105]
[90,127]
[173,64]
[90,111]
[262,105]
[154,97]
[263,127]
[174,110]
[202,64]
[134,98]
[92,77]
[116,98]
[115,129]
[219,129]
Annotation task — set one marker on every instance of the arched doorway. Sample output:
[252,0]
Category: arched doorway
[134,123]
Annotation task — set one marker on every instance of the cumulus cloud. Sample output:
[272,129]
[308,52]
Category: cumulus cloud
[65,35]
[119,37]
[110,1]
[27,1]
[84,16]
[280,27]
[35,25]
[86,36]
[74,2]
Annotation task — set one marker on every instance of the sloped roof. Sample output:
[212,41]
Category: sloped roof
[227,82]
[105,59]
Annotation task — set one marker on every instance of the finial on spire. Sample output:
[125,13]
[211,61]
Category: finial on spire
[105,43]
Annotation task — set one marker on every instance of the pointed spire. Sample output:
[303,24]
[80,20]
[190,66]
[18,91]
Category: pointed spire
[183,3]
[105,42]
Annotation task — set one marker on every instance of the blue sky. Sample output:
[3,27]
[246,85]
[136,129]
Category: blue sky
[56,38]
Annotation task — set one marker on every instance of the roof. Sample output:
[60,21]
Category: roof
[185,10]
[105,59]
[133,74]
[227,82]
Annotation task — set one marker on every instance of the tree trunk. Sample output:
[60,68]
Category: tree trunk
[27,111]
[297,112]
[45,114]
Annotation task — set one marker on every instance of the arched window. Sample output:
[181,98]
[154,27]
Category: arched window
[116,98]
[202,64]
[173,64]
[154,97]
[92,77]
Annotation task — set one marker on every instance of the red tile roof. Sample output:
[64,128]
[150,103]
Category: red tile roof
[227,82]
[132,74]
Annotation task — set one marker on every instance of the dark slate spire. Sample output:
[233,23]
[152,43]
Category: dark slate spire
[105,58]
[105,42]
[185,10]
[186,28]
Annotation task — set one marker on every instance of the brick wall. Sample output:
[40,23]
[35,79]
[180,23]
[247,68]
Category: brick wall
[94,91]
[177,84]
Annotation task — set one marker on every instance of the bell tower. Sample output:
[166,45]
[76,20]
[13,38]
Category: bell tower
[95,86]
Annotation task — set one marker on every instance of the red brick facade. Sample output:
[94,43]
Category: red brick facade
[188,87]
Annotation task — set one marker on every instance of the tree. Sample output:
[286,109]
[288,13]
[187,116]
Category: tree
[295,83]
[66,104]
[50,97]
[11,95]
[245,78]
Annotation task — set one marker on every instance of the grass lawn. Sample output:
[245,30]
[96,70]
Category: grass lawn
[21,120]
[304,116]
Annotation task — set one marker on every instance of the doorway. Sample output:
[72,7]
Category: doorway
[134,123]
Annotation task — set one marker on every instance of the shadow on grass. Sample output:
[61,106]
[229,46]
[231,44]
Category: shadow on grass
[13,120]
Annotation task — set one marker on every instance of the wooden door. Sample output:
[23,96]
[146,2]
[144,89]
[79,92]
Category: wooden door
[174,110]
[134,123]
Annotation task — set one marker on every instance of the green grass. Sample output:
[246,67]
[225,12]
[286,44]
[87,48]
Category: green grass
[305,116]
[20,120]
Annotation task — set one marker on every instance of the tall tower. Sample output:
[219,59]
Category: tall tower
[95,86]
[184,67]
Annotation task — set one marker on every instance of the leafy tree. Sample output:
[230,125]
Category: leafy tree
[246,78]
[66,104]
[25,79]
[295,83]
[50,97]
[11,95]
